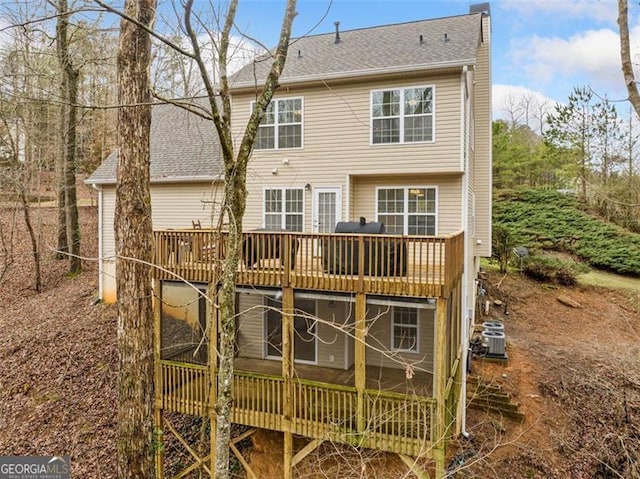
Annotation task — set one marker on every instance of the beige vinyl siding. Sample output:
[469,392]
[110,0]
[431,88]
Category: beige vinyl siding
[331,338]
[177,205]
[336,142]
[250,335]
[108,273]
[449,194]
[337,132]
[379,352]
[174,205]
[482,170]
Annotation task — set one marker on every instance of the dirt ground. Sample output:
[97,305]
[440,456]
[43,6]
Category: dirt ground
[575,371]
[576,374]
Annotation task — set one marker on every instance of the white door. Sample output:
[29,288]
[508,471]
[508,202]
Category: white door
[327,209]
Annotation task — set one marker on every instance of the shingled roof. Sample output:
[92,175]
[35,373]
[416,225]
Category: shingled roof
[184,147]
[450,41]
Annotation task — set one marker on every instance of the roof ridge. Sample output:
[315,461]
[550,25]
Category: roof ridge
[374,27]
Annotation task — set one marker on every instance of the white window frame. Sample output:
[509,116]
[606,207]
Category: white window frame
[276,124]
[405,213]
[402,115]
[416,327]
[283,212]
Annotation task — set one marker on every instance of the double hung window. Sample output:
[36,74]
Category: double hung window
[281,126]
[402,115]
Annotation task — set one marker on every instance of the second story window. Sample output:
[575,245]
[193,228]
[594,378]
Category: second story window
[281,126]
[402,115]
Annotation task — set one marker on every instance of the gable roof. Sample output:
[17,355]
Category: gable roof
[376,50]
[184,147]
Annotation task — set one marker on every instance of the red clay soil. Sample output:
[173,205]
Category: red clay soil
[576,373]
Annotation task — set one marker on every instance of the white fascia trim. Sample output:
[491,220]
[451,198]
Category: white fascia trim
[364,72]
[172,179]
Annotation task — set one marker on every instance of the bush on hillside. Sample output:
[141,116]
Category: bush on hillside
[550,270]
[546,219]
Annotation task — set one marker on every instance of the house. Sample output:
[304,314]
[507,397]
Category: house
[347,330]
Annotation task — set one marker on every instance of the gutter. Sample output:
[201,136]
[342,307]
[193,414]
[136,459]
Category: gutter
[168,179]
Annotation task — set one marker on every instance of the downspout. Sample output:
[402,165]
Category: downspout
[465,224]
[100,264]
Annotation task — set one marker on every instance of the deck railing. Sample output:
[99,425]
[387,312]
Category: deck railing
[392,421]
[426,266]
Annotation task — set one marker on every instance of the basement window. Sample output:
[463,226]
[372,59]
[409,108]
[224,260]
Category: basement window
[404,329]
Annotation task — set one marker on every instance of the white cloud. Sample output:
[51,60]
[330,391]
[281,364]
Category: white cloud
[518,103]
[604,11]
[593,55]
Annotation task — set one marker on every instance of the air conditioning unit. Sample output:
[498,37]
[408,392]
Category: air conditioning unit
[495,341]
[493,326]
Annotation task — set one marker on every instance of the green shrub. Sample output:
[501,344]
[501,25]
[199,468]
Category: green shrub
[546,219]
[550,270]
[502,246]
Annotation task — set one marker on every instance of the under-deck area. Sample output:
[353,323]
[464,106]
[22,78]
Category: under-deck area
[349,338]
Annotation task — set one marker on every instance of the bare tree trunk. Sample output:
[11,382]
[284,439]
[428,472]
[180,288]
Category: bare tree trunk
[68,224]
[625,54]
[35,251]
[71,199]
[134,239]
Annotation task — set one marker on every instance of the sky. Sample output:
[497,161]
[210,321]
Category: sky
[539,48]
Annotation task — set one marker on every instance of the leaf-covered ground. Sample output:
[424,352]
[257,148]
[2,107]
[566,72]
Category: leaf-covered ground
[57,354]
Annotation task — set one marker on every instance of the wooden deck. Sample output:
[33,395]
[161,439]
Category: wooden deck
[394,422]
[378,378]
[419,266]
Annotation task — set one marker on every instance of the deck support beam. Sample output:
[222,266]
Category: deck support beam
[306,450]
[234,449]
[287,374]
[158,445]
[439,429]
[413,466]
[360,359]
[214,317]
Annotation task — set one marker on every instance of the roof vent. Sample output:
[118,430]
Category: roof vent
[337,24]
[421,40]
[299,54]
[446,37]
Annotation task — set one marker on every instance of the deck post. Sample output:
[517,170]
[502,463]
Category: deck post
[158,446]
[360,359]
[213,315]
[440,379]
[287,375]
